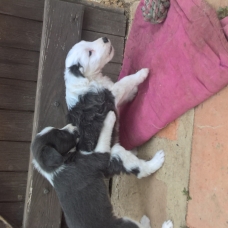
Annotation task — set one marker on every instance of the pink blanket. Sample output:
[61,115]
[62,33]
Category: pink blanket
[188,60]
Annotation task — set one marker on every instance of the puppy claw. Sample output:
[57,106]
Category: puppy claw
[167,224]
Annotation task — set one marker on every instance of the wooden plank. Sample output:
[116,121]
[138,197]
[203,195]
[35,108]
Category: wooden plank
[61,30]
[23,8]
[105,16]
[14,156]
[18,63]
[15,125]
[18,71]
[17,95]
[104,22]
[117,42]
[19,56]
[23,33]
[112,69]
[13,186]
[13,213]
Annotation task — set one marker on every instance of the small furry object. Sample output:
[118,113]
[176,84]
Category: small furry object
[90,95]
[78,177]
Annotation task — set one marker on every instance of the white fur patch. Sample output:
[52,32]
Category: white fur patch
[145,222]
[45,130]
[86,153]
[70,128]
[167,224]
[48,176]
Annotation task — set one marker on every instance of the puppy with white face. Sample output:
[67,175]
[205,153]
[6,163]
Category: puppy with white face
[89,94]
[78,178]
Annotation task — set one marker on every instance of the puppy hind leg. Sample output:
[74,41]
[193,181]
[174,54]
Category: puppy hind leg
[104,140]
[129,163]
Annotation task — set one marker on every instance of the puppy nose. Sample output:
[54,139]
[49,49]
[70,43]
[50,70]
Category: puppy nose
[105,39]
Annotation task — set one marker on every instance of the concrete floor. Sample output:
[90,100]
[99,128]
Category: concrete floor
[196,149]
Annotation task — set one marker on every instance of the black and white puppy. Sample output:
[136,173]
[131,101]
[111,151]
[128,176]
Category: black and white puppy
[78,178]
[89,94]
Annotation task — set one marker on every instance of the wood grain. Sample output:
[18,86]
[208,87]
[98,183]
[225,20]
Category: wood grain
[19,56]
[13,186]
[104,21]
[23,8]
[20,33]
[14,156]
[17,95]
[61,30]
[15,125]
[18,64]
[13,213]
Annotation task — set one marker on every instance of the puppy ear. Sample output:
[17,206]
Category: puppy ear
[52,159]
[77,70]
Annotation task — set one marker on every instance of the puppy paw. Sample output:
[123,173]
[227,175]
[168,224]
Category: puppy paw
[110,118]
[145,222]
[167,224]
[157,161]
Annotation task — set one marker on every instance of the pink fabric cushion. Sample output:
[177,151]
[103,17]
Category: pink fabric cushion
[188,60]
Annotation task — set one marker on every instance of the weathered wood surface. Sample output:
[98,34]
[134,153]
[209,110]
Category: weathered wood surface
[23,33]
[61,30]
[103,21]
[15,125]
[13,213]
[30,9]
[14,156]
[18,63]
[13,185]
[98,17]
[17,95]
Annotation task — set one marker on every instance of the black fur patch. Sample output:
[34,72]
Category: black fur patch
[89,114]
[74,69]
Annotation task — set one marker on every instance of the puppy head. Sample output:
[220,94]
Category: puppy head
[51,144]
[88,58]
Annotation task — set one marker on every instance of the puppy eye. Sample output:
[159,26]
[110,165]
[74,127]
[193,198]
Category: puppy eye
[90,53]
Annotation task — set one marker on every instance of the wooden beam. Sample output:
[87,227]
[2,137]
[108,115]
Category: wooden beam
[61,30]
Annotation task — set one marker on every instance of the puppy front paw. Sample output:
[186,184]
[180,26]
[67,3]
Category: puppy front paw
[157,161]
[142,74]
[145,222]
[167,224]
